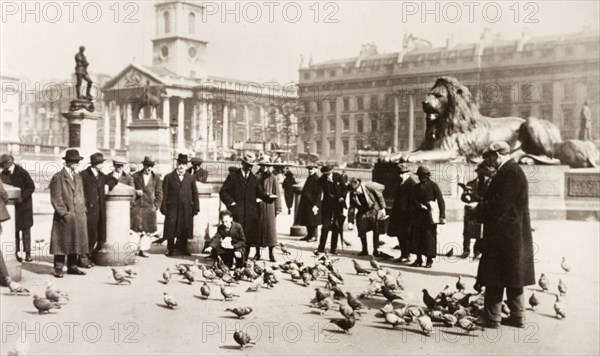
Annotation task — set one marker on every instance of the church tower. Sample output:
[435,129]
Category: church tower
[177,46]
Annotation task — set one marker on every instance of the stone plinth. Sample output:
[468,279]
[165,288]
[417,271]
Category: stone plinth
[150,137]
[83,131]
[206,221]
[118,250]
[7,238]
[297,230]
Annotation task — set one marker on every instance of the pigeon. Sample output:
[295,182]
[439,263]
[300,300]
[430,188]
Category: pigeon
[253,287]
[414,311]
[394,320]
[284,250]
[346,311]
[331,281]
[320,295]
[565,266]
[227,293]
[400,281]
[130,272]
[436,315]
[354,303]
[390,295]
[228,279]
[181,269]
[44,305]
[53,296]
[559,308]
[345,323]
[543,282]
[450,253]
[425,324]
[460,286]
[169,300]
[242,338]
[325,305]
[358,268]
[338,293]
[428,300]
[16,288]
[505,309]
[306,277]
[478,287]
[381,273]
[387,281]
[449,320]
[119,278]
[241,312]
[533,301]
[468,325]
[189,275]
[167,275]
[205,290]
[374,263]
[562,287]
[295,275]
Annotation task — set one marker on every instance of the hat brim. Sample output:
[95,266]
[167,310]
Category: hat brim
[72,159]
[250,163]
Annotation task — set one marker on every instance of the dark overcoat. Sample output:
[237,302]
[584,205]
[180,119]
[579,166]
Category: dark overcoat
[69,222]
[20,178]
[244,192]
[424,236]
[144,208]
[507,245]
[268,212]
[472,228]
[200,175]
[179,205]
[332,208]
[95,202]
[402,210]
[238,240]
[288,189]
[310,197]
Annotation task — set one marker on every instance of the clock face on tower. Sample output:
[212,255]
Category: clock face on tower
[192,52]
[164,51]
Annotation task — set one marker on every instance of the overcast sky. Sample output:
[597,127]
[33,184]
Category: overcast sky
[263,51]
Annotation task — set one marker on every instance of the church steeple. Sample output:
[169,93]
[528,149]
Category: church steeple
[177,46]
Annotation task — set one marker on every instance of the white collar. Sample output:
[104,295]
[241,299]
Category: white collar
[11,169]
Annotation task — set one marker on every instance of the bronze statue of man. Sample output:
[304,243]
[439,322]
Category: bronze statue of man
[81,73]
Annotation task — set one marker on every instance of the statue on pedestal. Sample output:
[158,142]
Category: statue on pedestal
[151,97]
[82,102]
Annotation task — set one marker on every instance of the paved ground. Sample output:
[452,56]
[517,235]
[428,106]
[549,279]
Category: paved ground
[104,318]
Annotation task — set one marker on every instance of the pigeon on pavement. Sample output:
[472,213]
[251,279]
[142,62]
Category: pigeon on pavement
[130,272]
[359,269]
[374,263]
[559,308]
[242,338]
[394,320]
[227,293]
[345,323]
[533,301]
[119,278]
[205,290]
[428,300]
[16,288]
[241,312]
[562,287]
[169,300]
[167,275]
[565,266]
[460,286]
[543,282]
[425,324]
[44,305]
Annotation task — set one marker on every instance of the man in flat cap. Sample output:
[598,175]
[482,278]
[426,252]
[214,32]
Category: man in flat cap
[121,174]
[148,199]
[179,205]
[18,176]
[95,184]
[333,203]
[69,236]
[200,174]
[240,193]
[400,223]
[507,246]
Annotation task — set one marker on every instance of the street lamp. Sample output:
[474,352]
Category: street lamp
[173,126]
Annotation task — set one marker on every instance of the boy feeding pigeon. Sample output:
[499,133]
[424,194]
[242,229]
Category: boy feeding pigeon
[229,242]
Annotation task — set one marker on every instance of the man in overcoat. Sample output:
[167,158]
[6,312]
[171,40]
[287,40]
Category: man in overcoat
[69,236]
[507,251]
[148,199]
[400,223]
[120,174]
[288,189]
[369,205]
[268,211]
[309,208]
[94,189]
[333,204]
[424,237]
[17,176]
[200,174]
[179,205]
[241,193]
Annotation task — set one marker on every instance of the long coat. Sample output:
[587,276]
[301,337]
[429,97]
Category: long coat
[20,178]
[244,192]
[69,222]
[268,212]
[507,246]
[479,186]
[288,189]
[144,207]
[332,192]
[238,240]
[309,198]
[200,175]
[402,210]
[424,237]
[179,205]
[95,203]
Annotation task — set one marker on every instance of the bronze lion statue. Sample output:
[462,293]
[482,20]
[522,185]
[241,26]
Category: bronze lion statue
[455,130]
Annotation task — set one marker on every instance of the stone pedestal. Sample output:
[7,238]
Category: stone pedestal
[83,131]
[7,237]
[206,221]
[117,250]
[149,137]
[297,230]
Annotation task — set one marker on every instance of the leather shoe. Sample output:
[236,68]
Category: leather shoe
[305,238]
[75,270]
[363,253]
[376,254]
[514,322]
[417,264]
[28,258]
[19,259]
[312,239]
[487,323]
[58,273]
[144,254]
[272,258]
[465,254]
[169,253]
[428,265]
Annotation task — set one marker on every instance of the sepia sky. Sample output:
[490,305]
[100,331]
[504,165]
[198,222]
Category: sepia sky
[253,48]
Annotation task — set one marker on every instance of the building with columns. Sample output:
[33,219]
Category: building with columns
[374,98]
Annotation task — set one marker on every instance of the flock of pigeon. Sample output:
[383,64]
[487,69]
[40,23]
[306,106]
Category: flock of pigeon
[451,308]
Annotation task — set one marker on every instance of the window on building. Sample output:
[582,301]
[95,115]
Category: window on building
[318,106]
[569,91]
[359,126]
[332,73]
[359,103]
[374,125]
[345,124]
[374,102]
[332,147]
[306,106]
[547,92]
[320,73]
[359,144]
[332,105]
[346,104]
[331,125]
[306,75]
[192,23]
[345,147]
[167,21]
[569,51]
